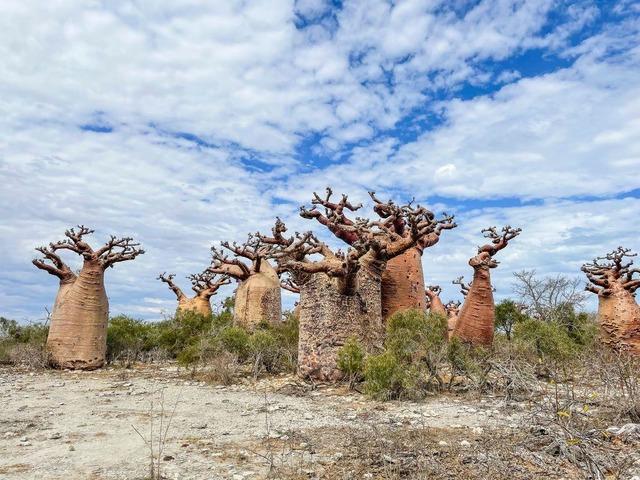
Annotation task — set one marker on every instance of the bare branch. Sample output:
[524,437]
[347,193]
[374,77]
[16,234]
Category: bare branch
[168,279]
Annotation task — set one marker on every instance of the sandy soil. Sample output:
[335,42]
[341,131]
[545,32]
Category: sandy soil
[77,425]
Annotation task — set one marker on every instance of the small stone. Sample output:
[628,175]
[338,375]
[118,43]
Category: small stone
[465,444]
[199,426]
[55,436]
[167,458]
[72,448]
[442,443]
[478,430]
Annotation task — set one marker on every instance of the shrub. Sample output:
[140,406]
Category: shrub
[383,376]
[265,352]
[508,314]
[235,340]
[23,344]
[547,340]
[127,338]
[351,361]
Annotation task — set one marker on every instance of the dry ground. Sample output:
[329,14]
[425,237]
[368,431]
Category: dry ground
[80,425]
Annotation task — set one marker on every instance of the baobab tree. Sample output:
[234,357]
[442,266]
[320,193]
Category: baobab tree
[340,292]
[78,330]
[403,281]
[205,285]
[476,320]
[453,310]
[257,297]
[434,303]
[611,278]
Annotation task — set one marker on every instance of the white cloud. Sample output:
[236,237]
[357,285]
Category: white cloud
[243,78]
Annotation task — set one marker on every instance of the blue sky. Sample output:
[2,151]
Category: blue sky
[184,124]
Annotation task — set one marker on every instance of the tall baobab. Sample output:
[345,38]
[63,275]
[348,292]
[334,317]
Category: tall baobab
[78,331]
[205,285]
[402,282]
[476,319]
[611,278]
[257,297]
[340,291]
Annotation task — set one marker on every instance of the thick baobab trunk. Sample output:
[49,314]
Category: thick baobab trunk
[258,298]
[329,318]
[476,320]
[78,332]
[619,319]
[197,304]
[403,284]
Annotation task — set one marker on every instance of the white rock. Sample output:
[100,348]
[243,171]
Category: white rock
[442,443]
[465,444]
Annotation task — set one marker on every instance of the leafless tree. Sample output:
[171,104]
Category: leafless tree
[547,297]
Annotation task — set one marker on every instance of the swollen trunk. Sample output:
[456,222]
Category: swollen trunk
[403,284]
[195,304]
[329,318]
[476,319]
[258,299]
[78,332]
[619,318]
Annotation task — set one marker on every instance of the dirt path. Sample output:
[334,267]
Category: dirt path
[75,425]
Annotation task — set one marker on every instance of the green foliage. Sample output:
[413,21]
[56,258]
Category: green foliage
[547,340]
[351,360]
[24,344]
[508,314]
[235,340]
[127,338]
[384,376]
[412,335]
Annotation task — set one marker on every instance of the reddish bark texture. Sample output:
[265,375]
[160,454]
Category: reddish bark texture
[204,284]
[611,278]
[403,279]
[434,303]
[340,294]
[78,330]
[258,297]
[476,320]
[453,310]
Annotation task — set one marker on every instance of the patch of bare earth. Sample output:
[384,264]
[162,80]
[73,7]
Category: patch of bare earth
[77,425]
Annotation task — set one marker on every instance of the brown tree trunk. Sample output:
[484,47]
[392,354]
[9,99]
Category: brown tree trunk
[78,332]
[452,320]
[258,298]
[328,319]
[619,319]
[476,319]
[437,306]
[197,304]
[403,284]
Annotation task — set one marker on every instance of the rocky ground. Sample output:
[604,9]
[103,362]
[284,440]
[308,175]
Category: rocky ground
[82,425]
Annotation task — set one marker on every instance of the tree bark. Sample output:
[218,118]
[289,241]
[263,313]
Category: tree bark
[328,319]
[476,320]
[78,331]
[403,284]
[258,298]
[619,320]
[196,304]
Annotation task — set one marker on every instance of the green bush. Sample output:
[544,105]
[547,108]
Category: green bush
[508,315]
[23,344]
[265,351]
[547,340]
[413,335]
[383,376]
[235,340]
[128,338]
[351,361]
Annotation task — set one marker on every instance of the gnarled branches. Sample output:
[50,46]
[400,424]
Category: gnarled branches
[614,267]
